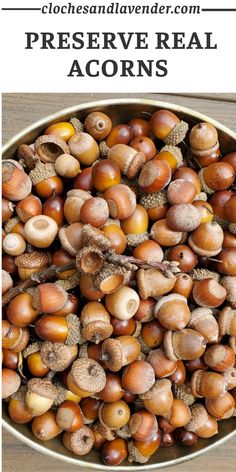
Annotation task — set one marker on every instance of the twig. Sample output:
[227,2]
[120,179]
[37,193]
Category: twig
[166,267]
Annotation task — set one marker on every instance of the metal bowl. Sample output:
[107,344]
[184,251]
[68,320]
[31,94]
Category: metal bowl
[120,110]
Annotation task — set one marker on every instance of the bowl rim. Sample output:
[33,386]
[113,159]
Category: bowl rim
[11,142]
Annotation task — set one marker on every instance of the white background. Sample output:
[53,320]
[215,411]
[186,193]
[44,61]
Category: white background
[188,70]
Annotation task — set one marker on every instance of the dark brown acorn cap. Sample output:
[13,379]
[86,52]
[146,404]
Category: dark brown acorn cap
[94,236]
[123,432]
[33,260]
[57,356]
[27,156]
[42,387]
[112,354]
[88,375]
[97,331]
[135,239]
[89,259]
[20,394]
[70,282]
[74,334]
[80,442]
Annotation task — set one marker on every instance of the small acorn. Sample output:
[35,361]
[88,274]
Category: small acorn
[203,139]
[40,396]
[166,126]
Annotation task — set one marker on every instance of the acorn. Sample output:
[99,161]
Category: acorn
[40,231]
[141,451]
[71,238]
[67,166]
[144,144]
[154,176]
[164,235]
[59,329]
[96,322]
[58,356]
[123,303]
[29,263]
[138,377]
[207,239]
[201,423]
[209,293]
[16,184]
[159,399]
[181,191]
[129,160]
[7,281]
[44,427]
[186,344]
[86,377]
[73,204]
[219,357]
[119,352]
[121,201]
[162,365]
[156,204]
[172,155]
[221,407]
[10,382]
[69,416]
[166,126]
[45,180]
[49,147]
[152,283]
[84,148]
[17,409]
[227,321]
[98,125]
[40,396]
[203,321]
[7,210]
[172,311]
[49,297]
[120,134]
[183,217]
[14,244]
[203,139]
[79,442]
[208,384]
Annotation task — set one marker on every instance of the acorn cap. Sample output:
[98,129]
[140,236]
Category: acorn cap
[232,343]
[77,124]
[65,242]
[49,147]
[224,319]
[199,417]
[88,375]
[232,228]
[74,334]
[32,348]
[123,432]
[111,221]
[42,172]
[153,200]
[61,393]
[204,186]
[94,236]
[106,432]
[181,392]
[56,356]
[168,298]
[134,166]
[135,455]
[104,149]
[110,278]
[223,223]
[42,387]
[229,283]
[158,387]
[10,224]
[20,394]
[176,151]
[27,155]
[200,274]
[134,239]
[198,314]
[202,196]
[112,354]
[97,331]
[80,442]
[33,260]
[89,259]
[69,283]
[177,134]
[205,152]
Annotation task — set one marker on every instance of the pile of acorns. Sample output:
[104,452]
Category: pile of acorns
[119,285]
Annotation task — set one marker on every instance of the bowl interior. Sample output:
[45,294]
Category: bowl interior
[120,110]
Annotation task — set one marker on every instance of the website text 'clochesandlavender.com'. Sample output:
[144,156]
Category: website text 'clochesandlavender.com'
[118,8]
